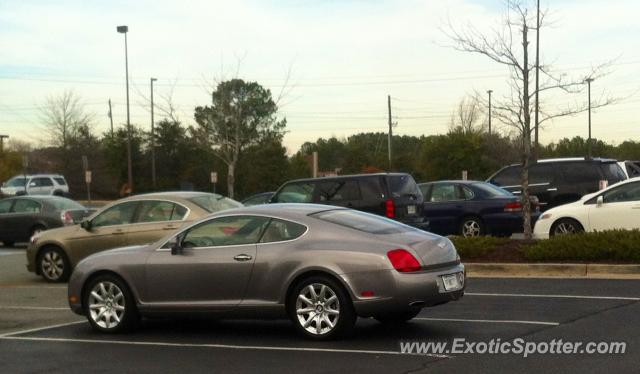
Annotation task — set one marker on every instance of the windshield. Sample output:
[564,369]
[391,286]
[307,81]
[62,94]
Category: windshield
[403,185]
[362,221]
[214,203]
[16,182]
[65,204]
[490,190]
[613,172]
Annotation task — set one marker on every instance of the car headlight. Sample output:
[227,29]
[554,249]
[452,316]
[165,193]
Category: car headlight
[545,216]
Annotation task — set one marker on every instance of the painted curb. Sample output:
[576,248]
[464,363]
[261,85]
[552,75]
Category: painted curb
[551,270]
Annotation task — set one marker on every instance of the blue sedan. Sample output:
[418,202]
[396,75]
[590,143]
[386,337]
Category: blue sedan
[472,208]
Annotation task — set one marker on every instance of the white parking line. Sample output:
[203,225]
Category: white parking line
[489,321]
[33,307]
[9,334]
[554,296]
[221,346]
[29,286]
[9,253]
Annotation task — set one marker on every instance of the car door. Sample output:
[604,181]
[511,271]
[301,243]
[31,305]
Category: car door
[24,214]
[5,218]
[107,230]
[154,220]
[620,209]
[214,268]
[443,208]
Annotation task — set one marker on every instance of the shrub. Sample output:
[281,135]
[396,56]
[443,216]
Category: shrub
[478,246]
[615,245]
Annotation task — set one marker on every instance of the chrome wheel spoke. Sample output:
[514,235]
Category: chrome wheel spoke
[312,292]
[304,299]
[305,310]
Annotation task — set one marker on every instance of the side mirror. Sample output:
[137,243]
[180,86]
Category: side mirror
[86,224]
[176,248]
[599,201]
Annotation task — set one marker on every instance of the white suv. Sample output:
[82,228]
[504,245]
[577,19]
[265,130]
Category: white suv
[37,184]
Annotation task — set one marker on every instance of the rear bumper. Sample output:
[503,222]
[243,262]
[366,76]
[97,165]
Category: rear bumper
[406,291]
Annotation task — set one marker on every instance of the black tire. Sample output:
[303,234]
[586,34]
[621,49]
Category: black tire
[109,318]
[58,193]
[36,229]
[398,317]
[53,265]
[565,226]
[343,322]
[471,226]
[8,243]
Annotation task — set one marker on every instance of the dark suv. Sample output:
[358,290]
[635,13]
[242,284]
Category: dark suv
[393,195]
[560,181]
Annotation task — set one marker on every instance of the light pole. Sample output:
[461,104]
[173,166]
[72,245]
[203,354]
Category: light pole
[124,30]
[2,138]
[489,92]
[589,80]
[153,140]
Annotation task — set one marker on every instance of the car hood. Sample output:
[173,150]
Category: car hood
[59,233]
[115,252]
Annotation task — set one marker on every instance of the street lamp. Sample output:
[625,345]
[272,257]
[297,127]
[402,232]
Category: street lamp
[124,30]
[589,80]
[153,140]
[489,92]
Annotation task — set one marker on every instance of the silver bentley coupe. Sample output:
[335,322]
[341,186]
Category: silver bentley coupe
[318,265]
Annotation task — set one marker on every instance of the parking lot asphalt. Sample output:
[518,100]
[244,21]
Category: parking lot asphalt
[38,333]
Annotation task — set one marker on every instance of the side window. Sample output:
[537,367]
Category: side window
[425,189]
[234,230]
[443,192]
[466,193]
[295,193]
[5,206]
[371,189]
[339,190]
[279,230]
[179,212]
[625,193]
[541,173]
[26,206]
[508,177]
[61,181]
[580,172]
[155,211]
[120,214]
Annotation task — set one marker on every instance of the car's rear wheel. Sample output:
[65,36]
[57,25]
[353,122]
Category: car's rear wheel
[398,317]
[565,226]
[53,264]
[471,227]
[321,309]
[109,305]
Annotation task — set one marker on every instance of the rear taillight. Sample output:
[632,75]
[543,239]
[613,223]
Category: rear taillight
[514,206]
[403,261]
[390,208]
[66,218]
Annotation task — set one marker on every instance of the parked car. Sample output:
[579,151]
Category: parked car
[616,207]
[257,199]
[630,168]
[38,184]
[471,208]
[322,266]
[393,195]
[560,181]
[25,216]
[134,220]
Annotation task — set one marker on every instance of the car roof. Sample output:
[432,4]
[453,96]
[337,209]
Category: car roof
[346,177]
[37,175]
[461,181]
[283,210]
[169,194]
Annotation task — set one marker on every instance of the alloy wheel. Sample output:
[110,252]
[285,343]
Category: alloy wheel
[317,308]
[565,228]
[470,228]
[52,265]
[106,305]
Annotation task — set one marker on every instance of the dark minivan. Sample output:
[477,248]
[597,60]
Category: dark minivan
[560,181]
[393,195]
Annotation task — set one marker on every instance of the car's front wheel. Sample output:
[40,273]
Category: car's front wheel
[565,226]
[109,305]
[321,309]
[54,265]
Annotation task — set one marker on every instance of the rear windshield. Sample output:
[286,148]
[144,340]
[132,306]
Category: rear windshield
[214,203]
[60,181]
[16,182]
[65,204]
[613,172]
[490,190]
[362,221]
[403,185]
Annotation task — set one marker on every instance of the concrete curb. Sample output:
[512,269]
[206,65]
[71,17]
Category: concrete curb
[552,270]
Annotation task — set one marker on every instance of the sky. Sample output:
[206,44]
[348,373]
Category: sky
[332,62]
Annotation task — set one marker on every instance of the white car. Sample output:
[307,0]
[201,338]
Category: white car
[615,207]
[37,184]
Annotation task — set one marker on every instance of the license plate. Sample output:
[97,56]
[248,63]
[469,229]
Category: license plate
[452,282]
[411,209]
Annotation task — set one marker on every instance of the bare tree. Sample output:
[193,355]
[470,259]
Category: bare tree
[64,116]
[509,46]
[466,116]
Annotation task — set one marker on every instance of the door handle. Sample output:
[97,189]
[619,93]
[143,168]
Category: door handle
[552,189]
[118,232]
[242,257]
[170,227]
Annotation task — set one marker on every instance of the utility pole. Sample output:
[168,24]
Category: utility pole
[589,80]
[2,138]
[390,129]
[536,147]
[153,140]
[489,92]
[111,118]
[124,30]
